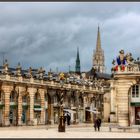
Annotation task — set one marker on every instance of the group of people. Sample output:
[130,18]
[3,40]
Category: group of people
[97,121]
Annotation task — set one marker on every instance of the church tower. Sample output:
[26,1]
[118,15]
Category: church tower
[98,56]
[77,66]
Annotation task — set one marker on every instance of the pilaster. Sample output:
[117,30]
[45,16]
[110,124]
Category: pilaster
[7,90]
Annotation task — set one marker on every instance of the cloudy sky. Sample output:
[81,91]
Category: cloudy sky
[48,34]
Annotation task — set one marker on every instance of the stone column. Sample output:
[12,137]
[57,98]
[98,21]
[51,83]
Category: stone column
[7,90]
[42,96]
[32,92]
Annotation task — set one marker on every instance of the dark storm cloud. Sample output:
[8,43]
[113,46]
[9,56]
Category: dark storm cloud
[48,34]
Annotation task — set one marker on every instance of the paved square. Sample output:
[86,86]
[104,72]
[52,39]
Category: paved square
[71,132]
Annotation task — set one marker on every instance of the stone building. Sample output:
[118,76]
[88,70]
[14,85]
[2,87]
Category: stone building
[125,92]
[31,97]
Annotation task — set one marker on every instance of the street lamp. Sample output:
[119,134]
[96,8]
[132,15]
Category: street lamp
[61,126]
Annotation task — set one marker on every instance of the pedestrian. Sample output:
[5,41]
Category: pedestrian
[98,122]
[68,119]
[109,119]
[95,123]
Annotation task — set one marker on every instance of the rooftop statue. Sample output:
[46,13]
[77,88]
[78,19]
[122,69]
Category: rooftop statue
[124,62]
[121,61]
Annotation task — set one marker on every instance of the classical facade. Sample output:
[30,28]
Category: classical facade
[31,97]
[98,56]
[125,91]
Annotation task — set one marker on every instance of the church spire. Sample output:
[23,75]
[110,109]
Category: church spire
[78,59]
[98,43]
[77,66]
[98,56]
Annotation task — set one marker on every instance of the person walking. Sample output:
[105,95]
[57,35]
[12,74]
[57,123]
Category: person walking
[68,119]
[98,122]
[95,124]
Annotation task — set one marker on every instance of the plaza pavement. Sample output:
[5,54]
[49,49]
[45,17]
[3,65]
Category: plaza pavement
[72,131]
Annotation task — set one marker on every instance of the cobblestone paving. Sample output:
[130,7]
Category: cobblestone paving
[77,131]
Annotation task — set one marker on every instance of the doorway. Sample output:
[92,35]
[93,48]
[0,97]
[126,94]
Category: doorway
[137,115]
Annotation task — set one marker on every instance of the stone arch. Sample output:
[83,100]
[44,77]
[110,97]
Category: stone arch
[13,114]
[134,104]
[37,98]
[25,108]
[120,101]
[26,97]
[37,107]
[14,96]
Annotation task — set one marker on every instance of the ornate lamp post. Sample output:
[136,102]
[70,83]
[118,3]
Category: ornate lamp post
[61,126]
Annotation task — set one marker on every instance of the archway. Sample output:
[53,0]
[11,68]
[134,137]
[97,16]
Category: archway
[13,114]
[134,105]
[25,108]
[37,108]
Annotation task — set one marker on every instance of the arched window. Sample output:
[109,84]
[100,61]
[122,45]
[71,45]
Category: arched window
[37,98]
[13,97]
[25,98]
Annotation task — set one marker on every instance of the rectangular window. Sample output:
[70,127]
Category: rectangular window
[137,91]
[133,91]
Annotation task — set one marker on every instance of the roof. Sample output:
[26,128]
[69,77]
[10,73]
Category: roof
[99,75]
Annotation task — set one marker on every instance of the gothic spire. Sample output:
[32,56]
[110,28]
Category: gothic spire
[98,56]
[77,66]
[78,59]
[98,43]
